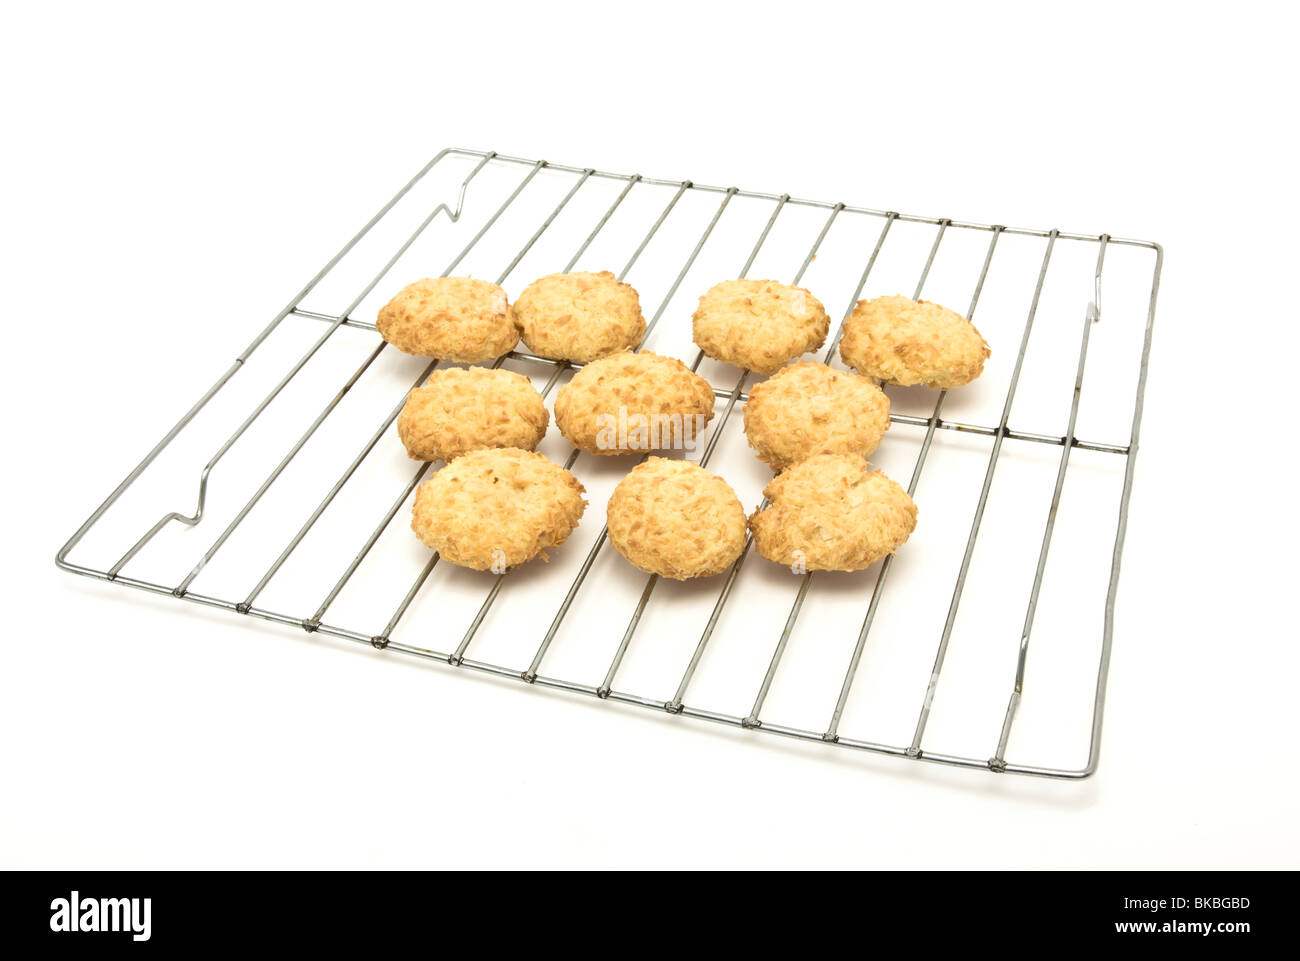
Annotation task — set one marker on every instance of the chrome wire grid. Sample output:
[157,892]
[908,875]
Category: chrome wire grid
[568,586]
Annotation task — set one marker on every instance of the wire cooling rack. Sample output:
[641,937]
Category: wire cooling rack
[300,497]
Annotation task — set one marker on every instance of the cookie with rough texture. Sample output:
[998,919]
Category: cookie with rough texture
[759,324]
[452,318]
[809,408]
[495,509]
[832,512]
[676,519]
[634,402]
[579,316]
[459,410]
[903,341]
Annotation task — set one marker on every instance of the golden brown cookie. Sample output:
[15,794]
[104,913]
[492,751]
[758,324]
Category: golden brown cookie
[832,512]
[495,509]
[579,316]
[759,324]
[461,410]
[452,318]
[634,402]
[903,341]
[675,519]
[809,408]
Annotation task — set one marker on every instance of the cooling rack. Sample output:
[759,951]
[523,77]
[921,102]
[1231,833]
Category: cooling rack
[282,500]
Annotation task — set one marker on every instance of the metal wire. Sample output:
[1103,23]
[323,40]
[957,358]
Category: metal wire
[730,396]
[915,747]
[832,731]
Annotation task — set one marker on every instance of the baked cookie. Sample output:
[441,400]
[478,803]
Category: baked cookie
[452,318]
[461,410]
[579,316]
[495,509]
[634,402]
[903,341]
[809,408]
[675,519]
[832,512]
[759,324]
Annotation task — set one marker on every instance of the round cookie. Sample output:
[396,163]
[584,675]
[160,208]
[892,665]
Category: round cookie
[579,316]
[675,519]
[495,509]
[459,410]
[903,341]
[809,408]
[832,512]
[452,318]
[759,324]
[634,402]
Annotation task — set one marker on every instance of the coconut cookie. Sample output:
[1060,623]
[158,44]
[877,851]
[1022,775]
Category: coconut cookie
[452,318]
[457,411]
[675,519]
[579,316]
[809,408]
[634,402]
[495,509]
[832,512]
[759,324]
[903,341]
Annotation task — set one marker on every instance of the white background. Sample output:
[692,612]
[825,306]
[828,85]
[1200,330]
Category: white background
[172,177]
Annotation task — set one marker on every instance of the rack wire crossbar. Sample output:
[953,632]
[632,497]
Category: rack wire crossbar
[730,396]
